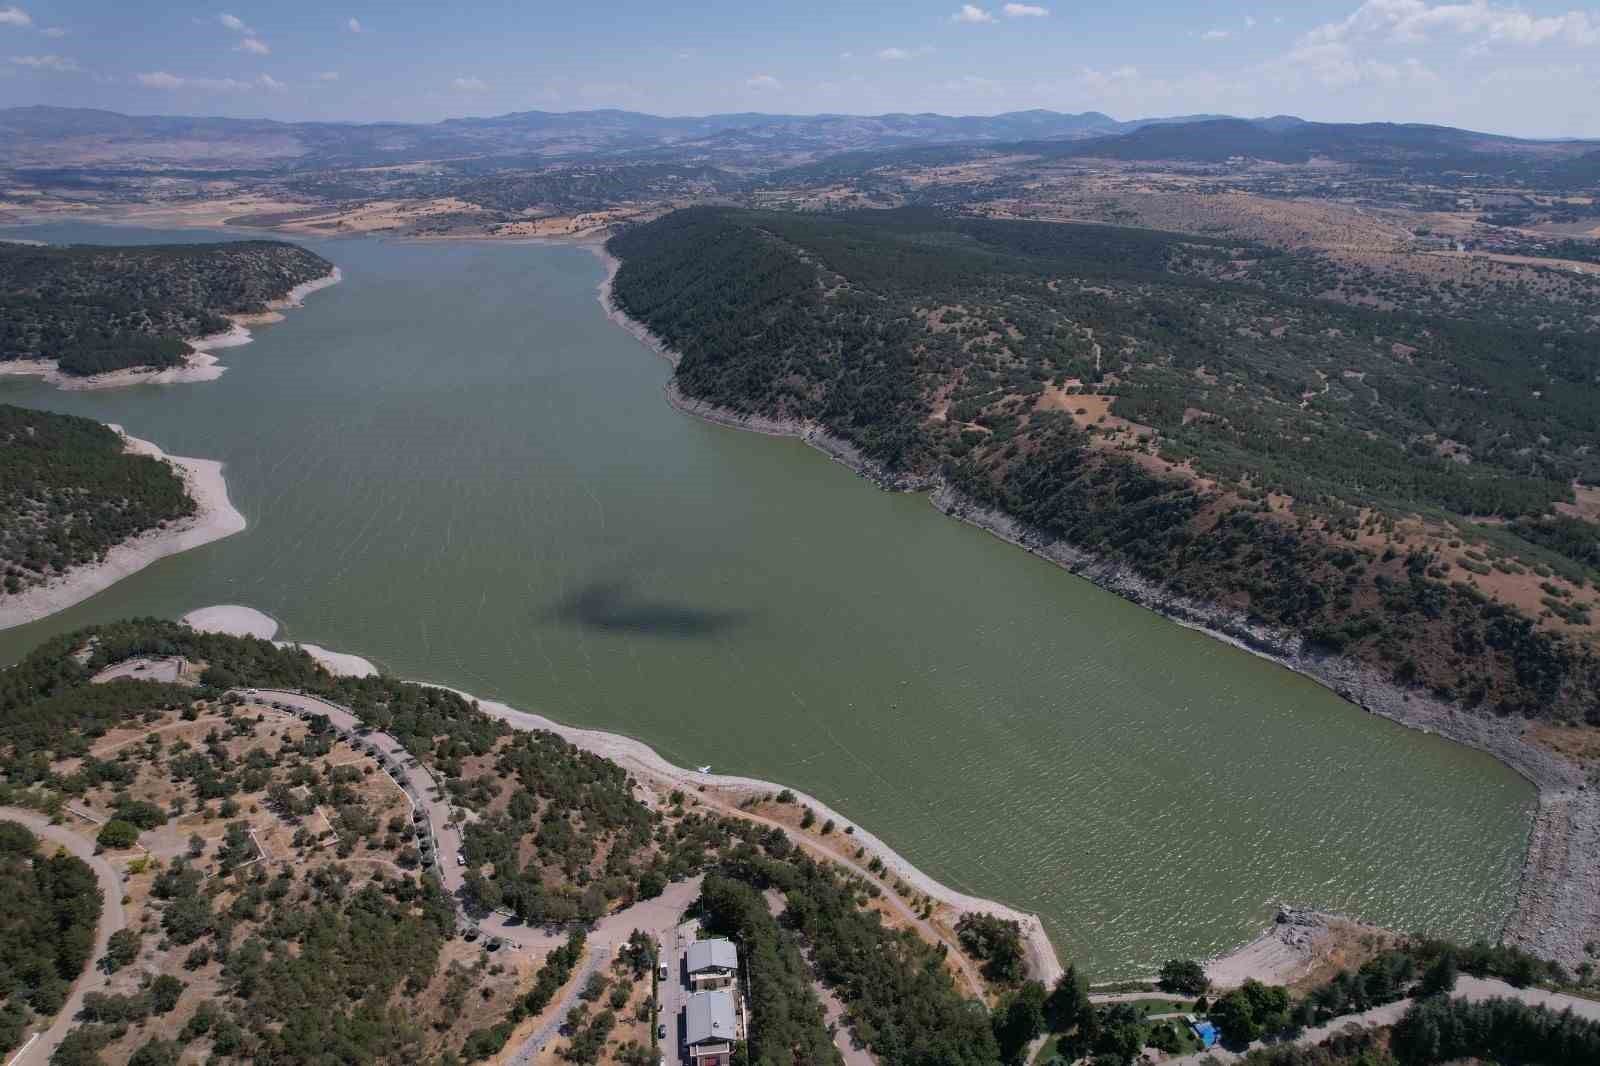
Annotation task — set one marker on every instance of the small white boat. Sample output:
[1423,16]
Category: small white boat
[706,769]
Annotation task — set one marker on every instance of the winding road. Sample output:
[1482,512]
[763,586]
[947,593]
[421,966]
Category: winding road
[112,919]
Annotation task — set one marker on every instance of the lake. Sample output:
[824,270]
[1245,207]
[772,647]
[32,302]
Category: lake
[454,465]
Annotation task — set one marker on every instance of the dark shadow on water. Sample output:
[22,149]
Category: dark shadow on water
[611,607]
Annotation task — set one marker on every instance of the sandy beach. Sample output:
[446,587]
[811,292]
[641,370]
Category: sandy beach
[214,518]
[199,365]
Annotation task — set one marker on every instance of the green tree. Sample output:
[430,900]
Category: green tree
[117,835]
[121,949]
[1440,976]
[1020,1018]
[1184,977]
[165,991]
[1069,1000]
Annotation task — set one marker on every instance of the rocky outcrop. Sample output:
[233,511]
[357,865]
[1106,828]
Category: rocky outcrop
[1558,902]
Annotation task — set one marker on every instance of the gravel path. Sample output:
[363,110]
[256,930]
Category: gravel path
[529,1049]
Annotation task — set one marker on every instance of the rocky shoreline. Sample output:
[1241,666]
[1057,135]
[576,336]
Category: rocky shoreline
[1557,911]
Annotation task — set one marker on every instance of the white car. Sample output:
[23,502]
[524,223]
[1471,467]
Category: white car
[461,860]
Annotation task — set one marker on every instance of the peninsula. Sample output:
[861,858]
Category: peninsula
[99,315]
[85,505]
[357,810]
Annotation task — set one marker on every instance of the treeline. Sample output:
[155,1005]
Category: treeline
[786,1019]
[1440,1029]
[95,308]
[899,997]
[933,342]
[69,492]
[554,972]
[52,902]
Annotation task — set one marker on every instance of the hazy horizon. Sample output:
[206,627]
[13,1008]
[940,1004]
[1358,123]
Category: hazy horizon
[1528,70]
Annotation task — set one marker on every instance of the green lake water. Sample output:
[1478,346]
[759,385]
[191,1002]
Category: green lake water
[454,465]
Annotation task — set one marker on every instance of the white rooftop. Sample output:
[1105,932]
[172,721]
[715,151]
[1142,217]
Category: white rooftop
[712,955]
[709,1017]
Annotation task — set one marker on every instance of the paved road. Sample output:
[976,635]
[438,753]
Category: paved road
[111,919]
[1473,989]
[659,917]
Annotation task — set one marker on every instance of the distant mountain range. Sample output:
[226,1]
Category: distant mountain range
[80,137]
[52,137]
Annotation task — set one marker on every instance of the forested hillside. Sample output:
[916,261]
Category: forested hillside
[46,928]
[68,492]
[1205,410]
[342,947]
[97,308]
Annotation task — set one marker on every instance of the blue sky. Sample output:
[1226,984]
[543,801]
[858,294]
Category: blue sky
[1531,68]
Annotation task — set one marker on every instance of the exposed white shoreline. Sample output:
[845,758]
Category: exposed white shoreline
[199,365]
[215,517]
[238,621]
[645,762]
[1557,907]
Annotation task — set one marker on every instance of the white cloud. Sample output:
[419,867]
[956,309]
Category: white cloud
[1249,22]
[896,55]
[1332,65]
[1024,11]
[14,16]
[1216,35]
[763,81]
[55,32]
[1100,80]
[328,75]
[1413,21]
[468,83]
[971,13]
[253,45]
[59,64]
[234,23]
[354,25]
[160,79]
[971,83]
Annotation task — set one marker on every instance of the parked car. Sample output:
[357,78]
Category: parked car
[663,971]
[661,1031]
[461,860]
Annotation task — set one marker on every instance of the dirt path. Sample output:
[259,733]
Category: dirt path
[975,983]
[112,919]
[833,1012]
[421,788]
[425,794]
[1472,989]
[556,1014]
